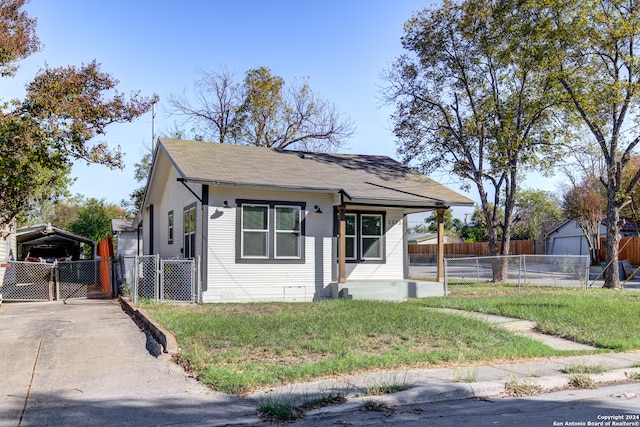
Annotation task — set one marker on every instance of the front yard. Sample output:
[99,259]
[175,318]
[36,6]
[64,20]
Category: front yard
[237,348]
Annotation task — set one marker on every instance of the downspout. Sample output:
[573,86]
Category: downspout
[204,204]
[204,239]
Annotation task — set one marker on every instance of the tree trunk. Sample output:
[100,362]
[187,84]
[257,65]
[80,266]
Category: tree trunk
[611,273]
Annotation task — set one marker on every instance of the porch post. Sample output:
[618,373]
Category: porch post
[342,242]
[440,253]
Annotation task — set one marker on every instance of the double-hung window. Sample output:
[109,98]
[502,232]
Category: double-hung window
[255,231]
[287,232]
[270,231]
[371,236]
[170,227]
[351,236]
[364,237]
[189,227]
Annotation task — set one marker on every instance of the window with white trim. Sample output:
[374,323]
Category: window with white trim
[170,227]
[371,236]
[287,232]
[270,231]
[364,237]
[255,231]
[351,236]
[189,227]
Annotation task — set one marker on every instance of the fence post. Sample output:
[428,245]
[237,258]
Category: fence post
[478,270]
[197,284]
[586,277]
[160,286]
[134,285]
[446,287]
[524,262]
[519,269]
[56,280]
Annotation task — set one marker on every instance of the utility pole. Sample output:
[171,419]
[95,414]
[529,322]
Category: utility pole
[153,127]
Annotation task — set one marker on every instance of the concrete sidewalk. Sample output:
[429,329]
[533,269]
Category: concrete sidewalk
[85,363]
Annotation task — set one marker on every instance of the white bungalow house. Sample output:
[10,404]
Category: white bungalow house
[278,225]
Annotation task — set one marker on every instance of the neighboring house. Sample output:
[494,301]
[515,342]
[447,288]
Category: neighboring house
[127,237]
[265,222]
[7,250]
[8,242]
[568,238]
[430,239]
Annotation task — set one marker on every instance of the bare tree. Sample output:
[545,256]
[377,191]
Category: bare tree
[262,111]
[214,109]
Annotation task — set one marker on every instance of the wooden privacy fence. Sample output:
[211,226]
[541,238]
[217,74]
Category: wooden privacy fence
[516,247]
[629,249]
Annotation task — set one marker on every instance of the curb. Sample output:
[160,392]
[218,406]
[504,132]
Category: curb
[463,391]
[164,337]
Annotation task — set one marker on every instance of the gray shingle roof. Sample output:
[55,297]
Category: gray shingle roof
[363,178]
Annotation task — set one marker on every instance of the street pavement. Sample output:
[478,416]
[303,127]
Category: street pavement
[610,405]
[86,363]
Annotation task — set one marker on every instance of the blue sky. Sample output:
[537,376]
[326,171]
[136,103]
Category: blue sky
[340,46]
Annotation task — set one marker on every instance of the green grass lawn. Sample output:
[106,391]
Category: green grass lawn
[605,318]
[236,348]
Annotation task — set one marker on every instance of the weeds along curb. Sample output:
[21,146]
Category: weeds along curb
[164,337]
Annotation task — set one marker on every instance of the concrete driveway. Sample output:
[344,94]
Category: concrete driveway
[85,363]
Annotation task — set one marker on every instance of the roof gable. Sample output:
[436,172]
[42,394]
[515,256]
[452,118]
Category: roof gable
[361,178]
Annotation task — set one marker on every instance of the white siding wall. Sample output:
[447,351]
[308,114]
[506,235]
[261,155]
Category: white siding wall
[228,281]
[127,243]
[175,197]
[393,267]
[241,282]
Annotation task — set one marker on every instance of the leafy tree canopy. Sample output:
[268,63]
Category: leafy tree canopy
[64,109]
[93,219]
[473,99]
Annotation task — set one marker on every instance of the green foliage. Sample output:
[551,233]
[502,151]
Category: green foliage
[472,99]
[64,109]
[94,219]
[592,51]
[18,37]
[537,212]
[475,230]
[451,224]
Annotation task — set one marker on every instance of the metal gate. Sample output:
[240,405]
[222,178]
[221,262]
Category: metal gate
[164,280]
[35,281]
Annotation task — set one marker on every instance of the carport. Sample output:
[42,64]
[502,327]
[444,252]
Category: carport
[49,267]
[46,235]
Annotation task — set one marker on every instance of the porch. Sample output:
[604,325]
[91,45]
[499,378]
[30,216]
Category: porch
[386,290]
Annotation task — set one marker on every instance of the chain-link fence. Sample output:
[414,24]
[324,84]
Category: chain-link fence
[540,270]
[177,279]
[28,281]
[75,278]
[150,277]
[40,281]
